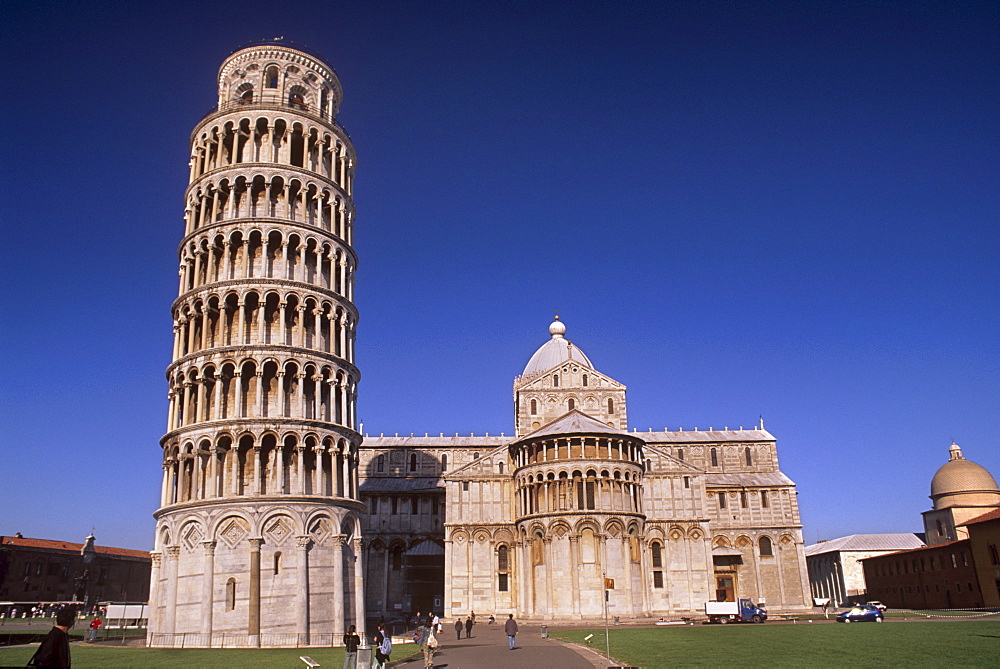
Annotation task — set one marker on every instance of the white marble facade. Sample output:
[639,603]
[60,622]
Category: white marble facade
[258,539]
[533,523]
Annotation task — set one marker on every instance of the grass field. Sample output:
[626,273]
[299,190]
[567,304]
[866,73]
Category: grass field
[891,644]
[85,657]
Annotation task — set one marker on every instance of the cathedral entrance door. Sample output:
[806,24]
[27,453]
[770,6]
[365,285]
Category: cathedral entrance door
[725,588]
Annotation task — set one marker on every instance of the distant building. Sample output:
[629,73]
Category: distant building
[984,542]
[956,569]
[835,568]
[961,490]
[45,570]
[942,576]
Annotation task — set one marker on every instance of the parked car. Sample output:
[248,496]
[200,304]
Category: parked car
[878,605]
[861,614]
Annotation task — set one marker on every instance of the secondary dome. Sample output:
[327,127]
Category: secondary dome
[959,478]
[555,352]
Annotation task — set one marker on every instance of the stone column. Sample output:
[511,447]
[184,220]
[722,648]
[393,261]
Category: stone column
[547,559]
[528,570]
[359,586]
[207,594]
[302,588]
[155,592]
[338,585]
[575,566]
[253,622]
[170,613]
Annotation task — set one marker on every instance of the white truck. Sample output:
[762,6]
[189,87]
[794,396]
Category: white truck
[743,611]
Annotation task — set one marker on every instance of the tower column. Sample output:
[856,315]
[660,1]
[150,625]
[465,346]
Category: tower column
[302,588]
[338,585]
[207,595]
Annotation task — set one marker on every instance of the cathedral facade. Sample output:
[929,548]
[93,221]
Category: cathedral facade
[258,537]
[572,506]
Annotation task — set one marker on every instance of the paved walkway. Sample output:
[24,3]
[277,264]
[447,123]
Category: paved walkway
[487,649]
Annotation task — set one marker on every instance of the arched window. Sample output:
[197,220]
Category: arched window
[245,93]
[534,407]
[722,500]
[571,404]
[277,562]
[687,481]
[657,555]
[380,464]
[413,462]
[475,456]
[271,77]
[231,594]
[396,558]
[503,569]
[297,98]
[766,549]
[764,501]
[584,380]
[500,466]
[611,405]
[555,380]
[749,456]
[444,462]
[715,457]
[743,498]
[680,453]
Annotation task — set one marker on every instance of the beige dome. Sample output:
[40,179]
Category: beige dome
[958,476]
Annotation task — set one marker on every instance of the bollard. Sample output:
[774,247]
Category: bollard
[545,631]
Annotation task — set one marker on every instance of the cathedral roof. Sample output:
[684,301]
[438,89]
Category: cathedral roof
[576,422]
[959,475]
[554,352]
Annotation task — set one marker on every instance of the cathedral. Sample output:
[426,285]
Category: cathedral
[542,523]
[280,526]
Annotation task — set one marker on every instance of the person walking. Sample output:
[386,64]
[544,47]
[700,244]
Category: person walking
[54,649]
[428,643]
[351,643]
[458,629]
[468,628]
[510,629]
[383,648]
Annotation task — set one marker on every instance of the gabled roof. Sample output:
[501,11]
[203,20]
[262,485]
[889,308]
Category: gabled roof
[867,542]
[70,547]
[741,479]
[576,422]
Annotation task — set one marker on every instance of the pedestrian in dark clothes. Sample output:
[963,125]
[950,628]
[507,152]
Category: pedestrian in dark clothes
[468,628]
[54,650]
[458,629]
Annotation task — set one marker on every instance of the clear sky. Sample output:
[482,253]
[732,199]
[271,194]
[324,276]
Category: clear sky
[741,209]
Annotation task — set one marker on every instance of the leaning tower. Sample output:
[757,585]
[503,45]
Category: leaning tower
[257,534]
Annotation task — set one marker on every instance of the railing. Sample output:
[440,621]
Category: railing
[298,107]
[279,41]
[239,640]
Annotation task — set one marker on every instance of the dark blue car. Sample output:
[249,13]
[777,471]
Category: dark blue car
[861,614]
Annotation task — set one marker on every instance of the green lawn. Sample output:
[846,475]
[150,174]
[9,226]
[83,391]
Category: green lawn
[895,644]
[283,658]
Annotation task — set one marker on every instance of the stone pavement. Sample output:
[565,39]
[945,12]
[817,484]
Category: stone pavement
[487,649]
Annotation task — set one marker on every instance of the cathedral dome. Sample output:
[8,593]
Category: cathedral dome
[554,352]
[959,478]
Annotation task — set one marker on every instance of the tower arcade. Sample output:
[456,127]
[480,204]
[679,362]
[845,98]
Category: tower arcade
[258,536]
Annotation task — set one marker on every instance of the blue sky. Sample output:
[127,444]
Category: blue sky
[785,210]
